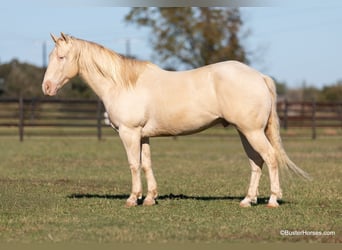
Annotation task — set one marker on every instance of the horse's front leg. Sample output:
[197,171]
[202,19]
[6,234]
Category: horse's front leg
[131,139]
[146,165]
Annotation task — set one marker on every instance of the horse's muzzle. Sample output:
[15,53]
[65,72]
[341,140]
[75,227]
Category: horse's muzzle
[49,88]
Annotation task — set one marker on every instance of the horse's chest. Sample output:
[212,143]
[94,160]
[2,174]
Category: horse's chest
[124,114]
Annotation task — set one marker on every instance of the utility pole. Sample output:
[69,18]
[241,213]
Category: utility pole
[44,55]
[128,47]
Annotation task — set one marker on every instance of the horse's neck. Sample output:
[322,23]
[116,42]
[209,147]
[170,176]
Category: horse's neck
[100,85]
[106,71]
[91,71]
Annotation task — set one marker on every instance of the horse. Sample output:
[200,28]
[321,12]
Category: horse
[142,101]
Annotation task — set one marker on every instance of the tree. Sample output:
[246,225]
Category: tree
[281,87]
[332,93]
[21,79]
[194,36]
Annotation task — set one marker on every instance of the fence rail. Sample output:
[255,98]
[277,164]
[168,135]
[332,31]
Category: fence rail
[310,115]
[22,114]
[25,113]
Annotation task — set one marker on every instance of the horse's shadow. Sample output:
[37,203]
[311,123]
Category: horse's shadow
[261,200]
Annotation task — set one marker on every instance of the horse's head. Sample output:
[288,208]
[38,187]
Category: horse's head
[62,66]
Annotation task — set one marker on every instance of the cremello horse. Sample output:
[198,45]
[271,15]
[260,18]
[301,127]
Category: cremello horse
[144,101]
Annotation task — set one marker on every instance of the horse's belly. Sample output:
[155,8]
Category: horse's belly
[179,124]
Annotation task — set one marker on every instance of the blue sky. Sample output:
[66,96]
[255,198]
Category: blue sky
[293,43]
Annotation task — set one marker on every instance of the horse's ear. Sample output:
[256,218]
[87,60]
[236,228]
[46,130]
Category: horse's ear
[54,38]
[65,37]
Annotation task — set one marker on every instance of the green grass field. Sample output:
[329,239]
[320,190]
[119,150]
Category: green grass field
[74,190]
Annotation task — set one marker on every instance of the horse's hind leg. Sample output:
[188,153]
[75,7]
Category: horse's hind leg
[258,140]
[256,163]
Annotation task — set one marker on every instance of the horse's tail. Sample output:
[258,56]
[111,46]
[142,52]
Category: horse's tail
[273,134]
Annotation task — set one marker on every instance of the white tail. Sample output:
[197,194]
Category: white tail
[273,135]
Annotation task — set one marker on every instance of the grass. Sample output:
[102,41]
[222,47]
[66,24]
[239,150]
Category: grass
[74,190]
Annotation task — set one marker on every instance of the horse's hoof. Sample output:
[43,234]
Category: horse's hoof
[272,205]
[254,201]
[149,202]
[245,204]
[130,203]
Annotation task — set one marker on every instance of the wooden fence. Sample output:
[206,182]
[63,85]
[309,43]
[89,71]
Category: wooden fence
[312,115]
[52,113]
[88,115]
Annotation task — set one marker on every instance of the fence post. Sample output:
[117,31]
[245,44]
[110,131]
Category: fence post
[21,118]
[313,121]
[340,113]
[99,119]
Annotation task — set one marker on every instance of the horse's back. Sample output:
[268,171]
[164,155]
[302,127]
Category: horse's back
[230,77]
[182,102]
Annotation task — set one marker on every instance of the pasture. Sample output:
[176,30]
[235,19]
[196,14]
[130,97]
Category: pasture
[74,190]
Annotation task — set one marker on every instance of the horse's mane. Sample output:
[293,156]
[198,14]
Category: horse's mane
[120,69]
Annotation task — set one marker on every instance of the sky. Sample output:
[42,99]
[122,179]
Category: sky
[294,43]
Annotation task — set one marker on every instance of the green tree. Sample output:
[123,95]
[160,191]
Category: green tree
[281,87]
[192,36]
[21,79]
[310,93]
[332,93]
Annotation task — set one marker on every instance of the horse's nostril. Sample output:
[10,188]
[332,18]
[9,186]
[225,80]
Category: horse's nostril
[47,87]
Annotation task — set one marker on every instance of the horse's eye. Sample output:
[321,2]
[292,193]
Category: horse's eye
[61,57]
